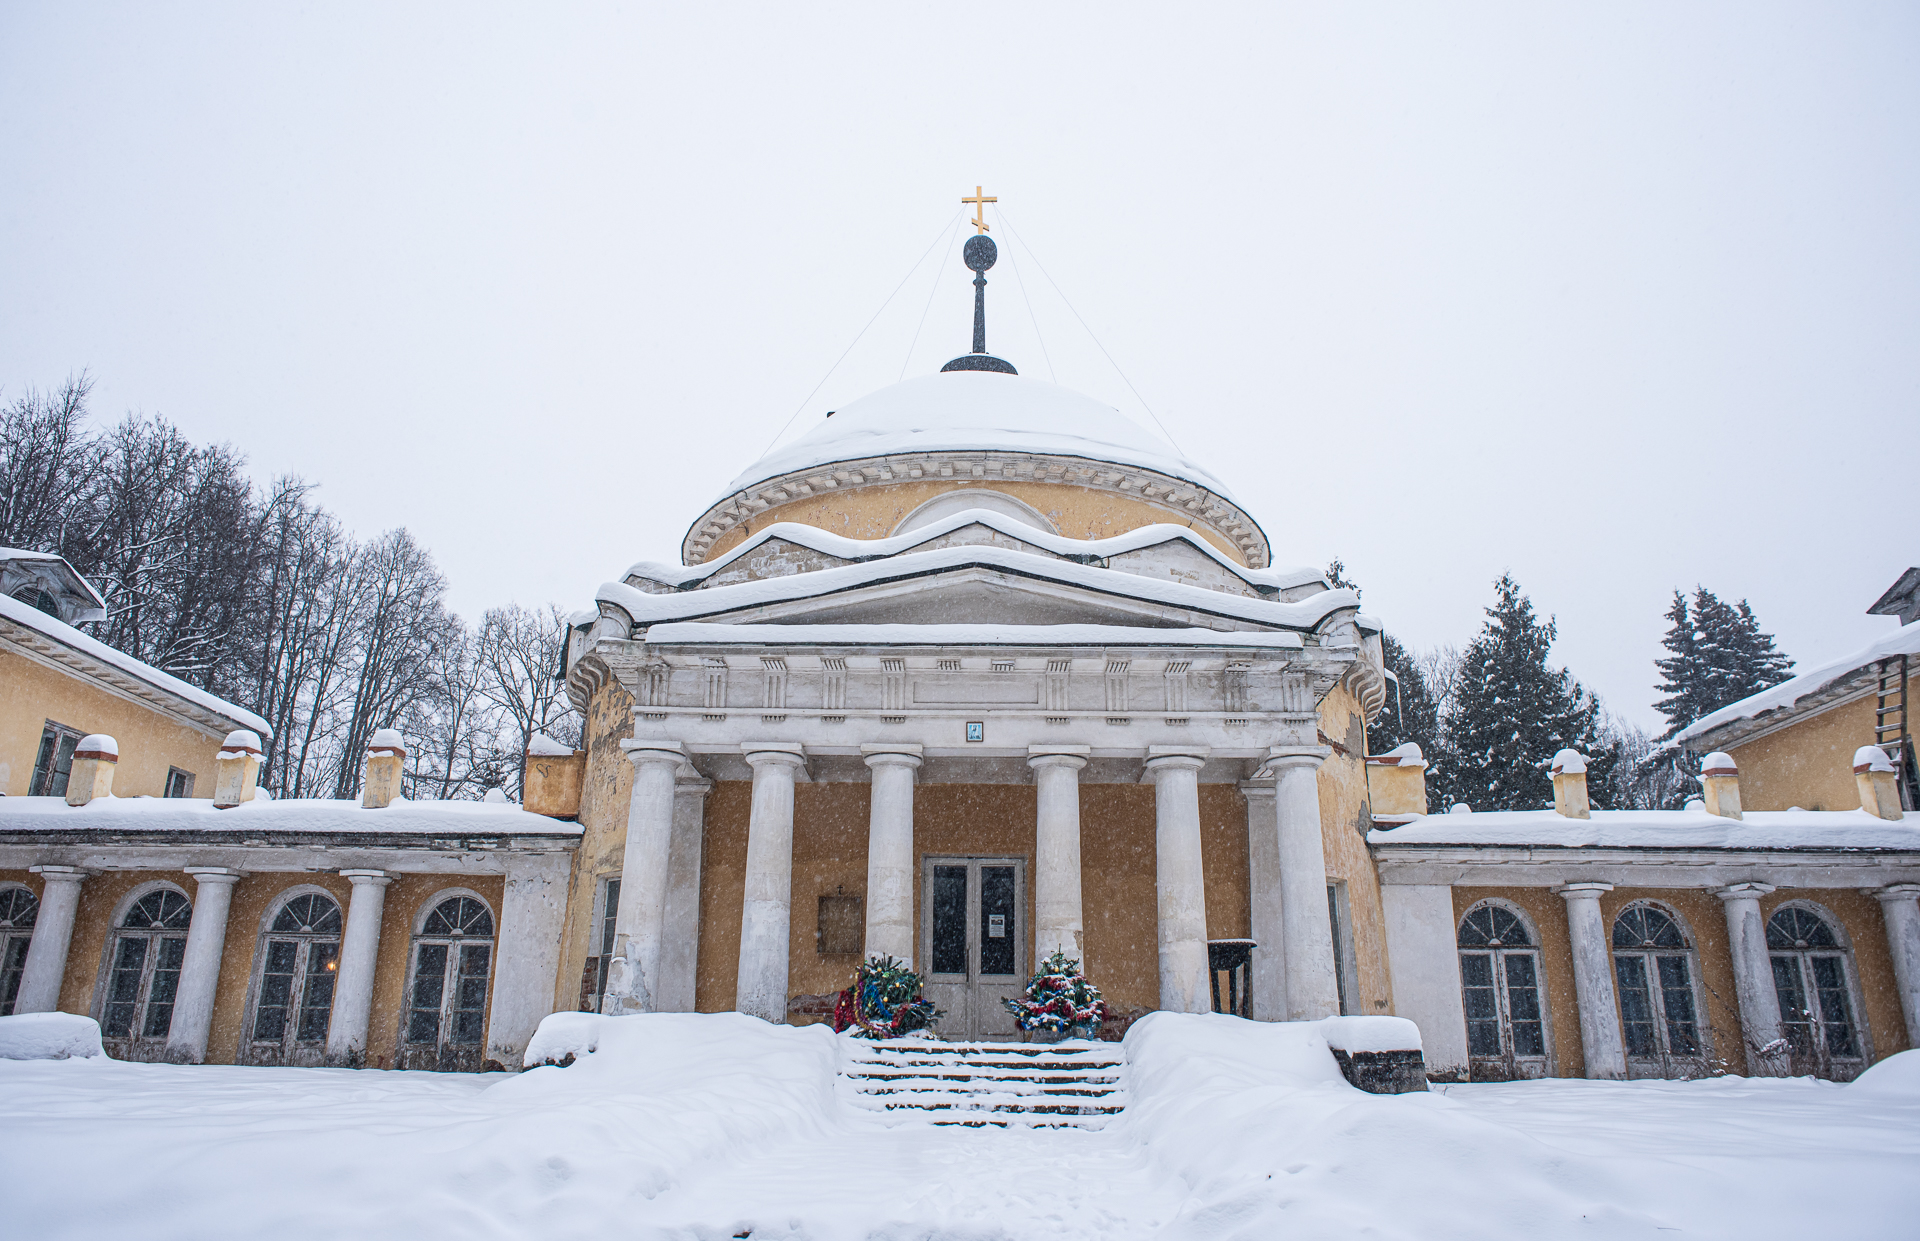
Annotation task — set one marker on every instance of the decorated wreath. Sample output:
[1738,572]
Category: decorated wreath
[1059,1000]
[884,1001]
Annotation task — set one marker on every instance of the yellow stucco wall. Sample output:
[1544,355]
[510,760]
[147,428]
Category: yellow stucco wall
[1344,822]
[1809,763]
[872,511]
[604,794]
[31,693]
[407,898]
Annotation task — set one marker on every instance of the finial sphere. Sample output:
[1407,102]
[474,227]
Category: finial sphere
[980,252]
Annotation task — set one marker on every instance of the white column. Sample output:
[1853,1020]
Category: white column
[639,924]
[359,954]
[1900,906]
[1268,972]
[1600,1039]
[1753,978]
[46,966]
[766,912]
[1423,964]
[890,853]
[1180,883]
[1058,921]
[1312,990]
[526,953]
[200,970]
[680,941]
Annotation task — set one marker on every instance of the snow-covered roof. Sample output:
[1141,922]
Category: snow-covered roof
[1659,829]
[648,609]
[696,634]
[261,819]
[976,411]
[844,548]
[1902,641]
[66,635]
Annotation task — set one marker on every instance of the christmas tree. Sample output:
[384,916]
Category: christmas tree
[1719,656]
[1059,999]
[1411,712]
[884,1001]
[1513,713]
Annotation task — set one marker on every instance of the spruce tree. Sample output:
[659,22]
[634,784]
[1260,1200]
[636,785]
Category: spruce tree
[1719,657]
[1513,713]
[1411,713]
[1678,671]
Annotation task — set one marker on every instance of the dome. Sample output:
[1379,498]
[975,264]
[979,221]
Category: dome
[976,411]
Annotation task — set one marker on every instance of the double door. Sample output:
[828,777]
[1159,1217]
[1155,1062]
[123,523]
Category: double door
[973,941]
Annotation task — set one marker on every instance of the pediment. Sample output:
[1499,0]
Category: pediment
[978,595]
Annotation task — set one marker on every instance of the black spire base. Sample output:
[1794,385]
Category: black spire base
[980,362]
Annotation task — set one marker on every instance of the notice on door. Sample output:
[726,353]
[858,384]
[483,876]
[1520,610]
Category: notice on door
[996,926]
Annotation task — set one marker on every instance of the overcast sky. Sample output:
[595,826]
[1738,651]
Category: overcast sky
[1621,299]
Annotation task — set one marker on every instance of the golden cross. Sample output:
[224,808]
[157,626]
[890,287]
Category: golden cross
[980,201]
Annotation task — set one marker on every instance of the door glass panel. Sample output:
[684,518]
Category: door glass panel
[1793,1004]
[470,999]
[429,987]
[997,928]
[316,1002]
[1483,1005]
[123,989]
[13,965]
[1523,1005]
[172,950]
[276,991]
[1636,1006]
[949,919]
[1830,980]
[1676,997]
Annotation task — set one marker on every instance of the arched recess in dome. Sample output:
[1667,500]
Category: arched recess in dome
[969,498]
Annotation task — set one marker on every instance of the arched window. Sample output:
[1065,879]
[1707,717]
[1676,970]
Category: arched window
[1500,983]
[148,949]
[18,909]
[293,998]
[1659,1014]
[1813,980]
[444,1025]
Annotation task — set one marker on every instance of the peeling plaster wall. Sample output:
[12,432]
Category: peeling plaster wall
[1345,819]
[872,511]
[604,795]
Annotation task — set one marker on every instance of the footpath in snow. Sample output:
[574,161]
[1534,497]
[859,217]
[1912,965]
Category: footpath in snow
[715,1126]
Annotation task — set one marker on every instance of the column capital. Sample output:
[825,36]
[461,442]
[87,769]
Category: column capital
[379,878]
[1582,891]
[1896,892]
[1261,787]
[1042,750]
[1071,757]
[653,751]
[1744,891]
[1291,757]
[774,753]
[1160,764]
[215,874]
[902,755]
[61,874]
[691,785]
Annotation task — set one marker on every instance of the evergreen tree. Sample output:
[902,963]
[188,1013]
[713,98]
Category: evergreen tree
[1513,713]
[1719,657]
[1411,713]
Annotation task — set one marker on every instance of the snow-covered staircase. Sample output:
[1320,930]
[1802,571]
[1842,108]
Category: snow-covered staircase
[1063,1085]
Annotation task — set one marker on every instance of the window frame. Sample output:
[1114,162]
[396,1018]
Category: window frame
[1346,971]
[135,1045]
[600,930]
[1508,1066]
[181,776]
[441,1055]
[1665,1063]
[11,934]
[52,734]
[1821,1062]
[291,1050]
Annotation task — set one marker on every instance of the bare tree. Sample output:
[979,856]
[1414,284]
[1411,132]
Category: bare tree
[519,655]
[47,460]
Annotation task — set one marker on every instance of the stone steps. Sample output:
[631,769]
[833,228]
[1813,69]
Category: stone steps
[1058,1085]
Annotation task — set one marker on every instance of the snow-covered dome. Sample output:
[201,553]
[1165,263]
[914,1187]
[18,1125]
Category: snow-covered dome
[977,411]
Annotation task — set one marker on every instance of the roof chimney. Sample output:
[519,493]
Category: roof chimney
[1397,785]
[386,760]
[1721,781]
[1570,785]
[1872,771]
[235,769]
[91,775]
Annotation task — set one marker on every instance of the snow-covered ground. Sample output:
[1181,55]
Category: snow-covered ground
[708,1127]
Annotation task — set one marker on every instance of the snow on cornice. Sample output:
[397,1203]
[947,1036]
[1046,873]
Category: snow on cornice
[693,633]
[648,609]
[1782,697]
[827,543]
[1658,829]
[962,411]
[263,819]
[66,635]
